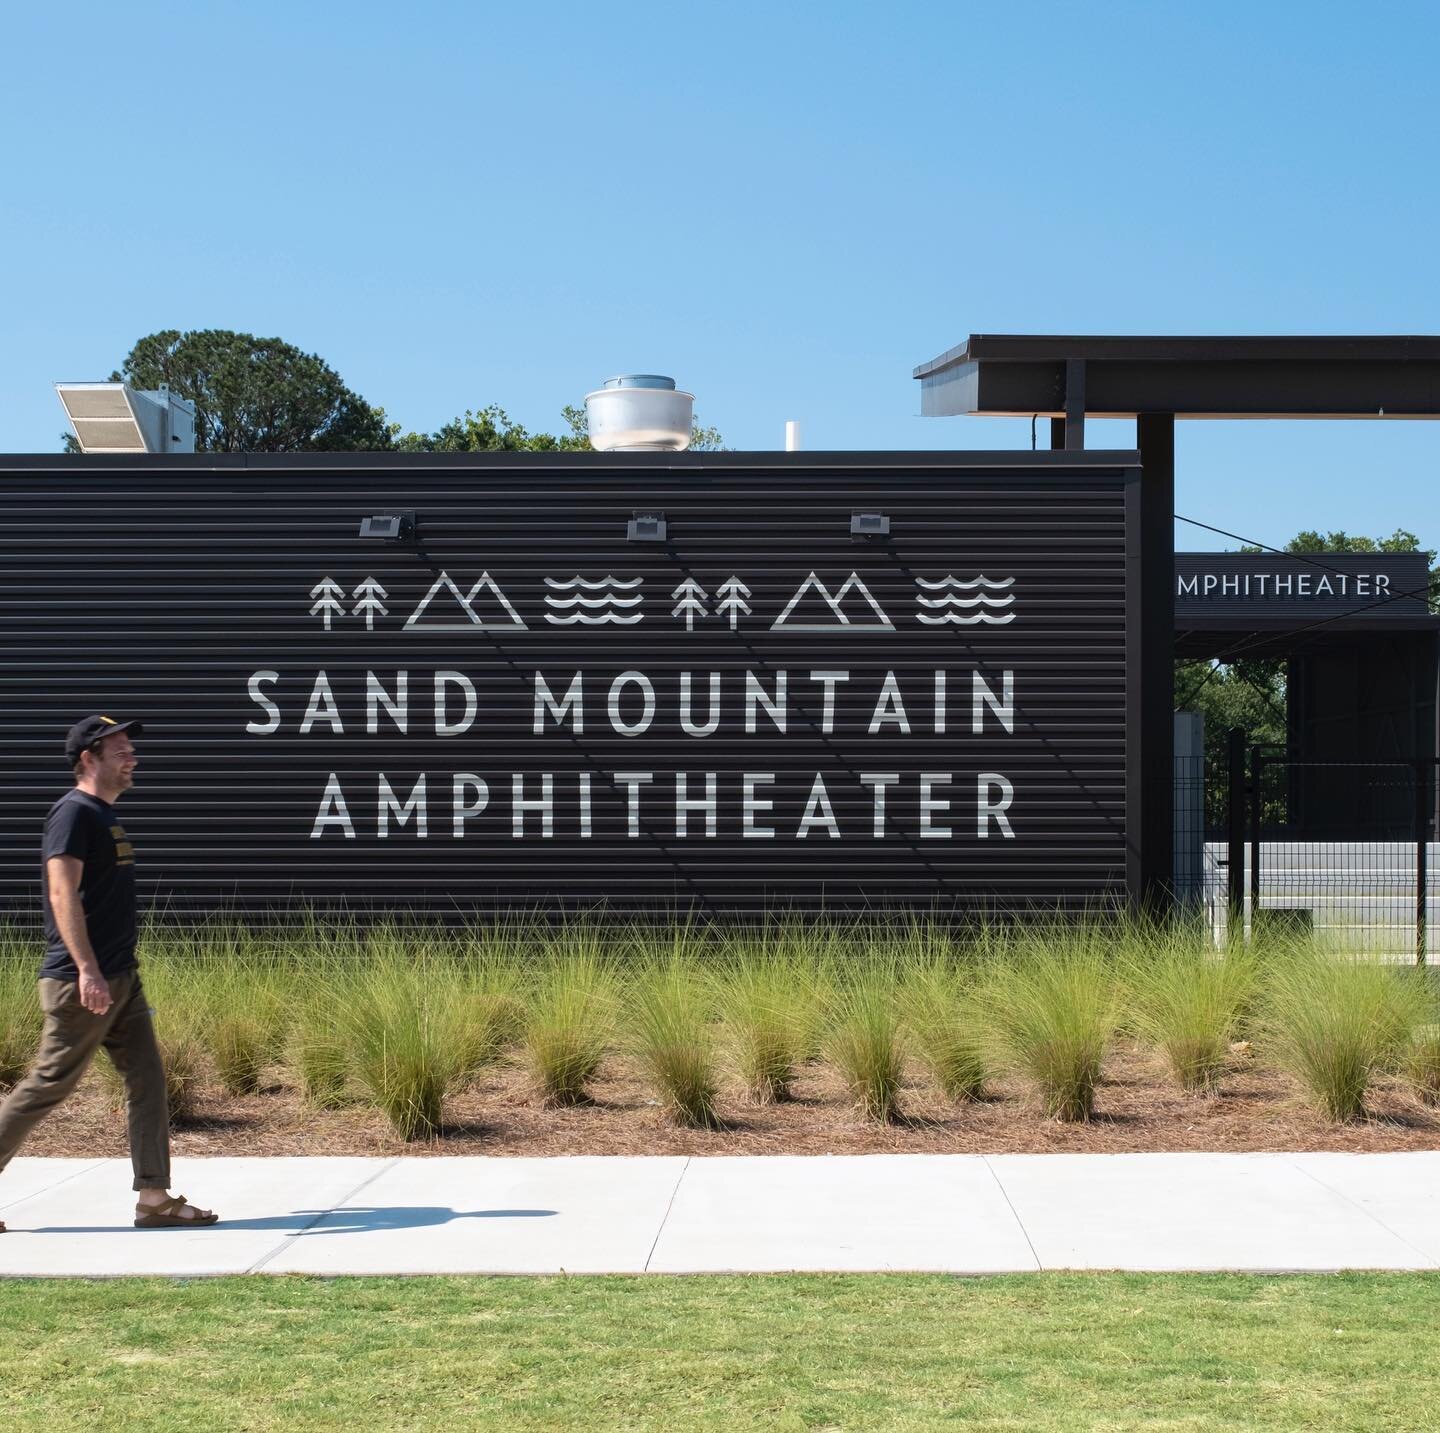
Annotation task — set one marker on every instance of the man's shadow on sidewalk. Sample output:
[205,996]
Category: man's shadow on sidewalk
[353,1219]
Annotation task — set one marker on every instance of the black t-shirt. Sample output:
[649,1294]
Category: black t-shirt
[85,826]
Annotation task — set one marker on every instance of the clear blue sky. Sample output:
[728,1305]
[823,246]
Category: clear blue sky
[786,206]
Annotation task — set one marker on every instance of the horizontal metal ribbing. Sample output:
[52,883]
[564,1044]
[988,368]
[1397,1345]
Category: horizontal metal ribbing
[161,591]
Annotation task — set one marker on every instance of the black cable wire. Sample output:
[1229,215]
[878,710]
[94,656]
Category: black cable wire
[1302,556]
[1260,639]
[1267,697]
[1199,686]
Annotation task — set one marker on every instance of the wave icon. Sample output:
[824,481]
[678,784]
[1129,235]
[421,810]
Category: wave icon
[604,582]
[608,607]
[951,581]
[967,611]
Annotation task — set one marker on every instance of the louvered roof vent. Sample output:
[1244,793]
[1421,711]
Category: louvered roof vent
[114,418]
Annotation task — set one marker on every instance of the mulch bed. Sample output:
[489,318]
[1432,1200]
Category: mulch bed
[1138,1109]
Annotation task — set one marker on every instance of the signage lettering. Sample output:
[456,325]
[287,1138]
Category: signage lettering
[544,804]
[1199,585]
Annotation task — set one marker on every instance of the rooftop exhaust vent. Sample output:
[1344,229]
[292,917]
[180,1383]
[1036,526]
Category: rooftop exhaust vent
[639,412]
[112,418]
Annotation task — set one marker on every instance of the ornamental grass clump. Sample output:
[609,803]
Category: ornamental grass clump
[941,1011]
[1333,1023]
[315,965]
[505,941]
[240,1044]
[171,986]
[911,941]
[1421,1065]
[569,1017]
[1187,1001]
[1049,1013]
[864,1038]
[406,1039]
[673,1037]
[246,1018]
[21,1019]
[315,1049]
[486,984]
[182,1048]
[486,1021]
[767,1006]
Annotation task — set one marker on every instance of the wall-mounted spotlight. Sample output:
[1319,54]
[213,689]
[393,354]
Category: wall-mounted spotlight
[646,527]
[869,525]
[391,526]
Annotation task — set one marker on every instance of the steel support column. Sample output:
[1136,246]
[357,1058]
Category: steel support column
[1235,813]
[1155,766]
[1422,852]
[1075,403]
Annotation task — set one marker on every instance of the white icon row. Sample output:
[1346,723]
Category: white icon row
[851,607]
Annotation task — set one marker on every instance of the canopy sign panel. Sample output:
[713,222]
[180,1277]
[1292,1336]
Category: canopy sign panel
[1291,589]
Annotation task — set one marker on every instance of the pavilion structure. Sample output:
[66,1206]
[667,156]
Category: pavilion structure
[1156,380]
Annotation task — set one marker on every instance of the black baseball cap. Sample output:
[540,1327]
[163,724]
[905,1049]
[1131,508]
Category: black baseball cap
[88,730]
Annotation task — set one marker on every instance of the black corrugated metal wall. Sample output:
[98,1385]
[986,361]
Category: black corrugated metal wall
[221,601]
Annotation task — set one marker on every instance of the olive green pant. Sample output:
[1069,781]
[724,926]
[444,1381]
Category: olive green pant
[68,1043]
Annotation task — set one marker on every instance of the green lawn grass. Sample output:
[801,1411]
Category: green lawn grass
[1035,1352]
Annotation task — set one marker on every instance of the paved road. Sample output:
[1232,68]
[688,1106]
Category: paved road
[960,1214]
[1360,894]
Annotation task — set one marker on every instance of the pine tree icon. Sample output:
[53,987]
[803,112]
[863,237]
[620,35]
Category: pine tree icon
[691,604]
[732,603]
[369,606]
[331,600]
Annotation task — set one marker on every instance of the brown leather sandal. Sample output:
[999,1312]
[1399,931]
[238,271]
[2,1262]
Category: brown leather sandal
[167,1215]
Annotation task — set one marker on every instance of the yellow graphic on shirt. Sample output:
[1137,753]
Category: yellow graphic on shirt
[124,851]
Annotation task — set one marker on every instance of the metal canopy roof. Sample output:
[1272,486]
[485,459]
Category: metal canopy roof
[1018,375]
[1196,641]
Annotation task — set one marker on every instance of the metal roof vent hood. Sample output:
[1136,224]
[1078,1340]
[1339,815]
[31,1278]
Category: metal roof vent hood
[639,412]
[114,418]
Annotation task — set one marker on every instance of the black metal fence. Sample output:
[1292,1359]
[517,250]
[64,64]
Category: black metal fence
[1344,848]
[1193,798]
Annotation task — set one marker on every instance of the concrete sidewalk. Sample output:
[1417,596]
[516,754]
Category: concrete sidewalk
[957,1214]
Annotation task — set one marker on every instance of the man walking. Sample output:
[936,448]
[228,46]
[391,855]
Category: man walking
[89,983]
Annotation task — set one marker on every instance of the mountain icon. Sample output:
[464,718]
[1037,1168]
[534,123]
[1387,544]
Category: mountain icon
[468,618]
[850,608]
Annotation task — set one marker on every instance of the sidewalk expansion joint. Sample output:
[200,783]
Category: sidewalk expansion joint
[85,1167]
[1009,1204]
[665,1218]
[290,1239]
[1369,1214]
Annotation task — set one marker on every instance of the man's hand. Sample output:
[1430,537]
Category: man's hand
[94,992]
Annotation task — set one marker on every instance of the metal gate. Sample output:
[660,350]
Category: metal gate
[1344,848]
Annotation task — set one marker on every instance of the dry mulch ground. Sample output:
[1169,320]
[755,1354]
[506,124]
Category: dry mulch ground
[1137,1109]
